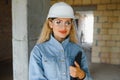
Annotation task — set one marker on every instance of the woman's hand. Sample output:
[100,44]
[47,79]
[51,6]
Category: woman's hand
[76,71]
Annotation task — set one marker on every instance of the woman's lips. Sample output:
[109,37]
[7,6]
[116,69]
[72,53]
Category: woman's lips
[63,32]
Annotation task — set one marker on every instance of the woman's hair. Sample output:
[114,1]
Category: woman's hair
[47,31]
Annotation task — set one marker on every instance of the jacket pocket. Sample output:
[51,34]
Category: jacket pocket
[50,67]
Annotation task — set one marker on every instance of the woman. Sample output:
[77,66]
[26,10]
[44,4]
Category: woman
[55,55]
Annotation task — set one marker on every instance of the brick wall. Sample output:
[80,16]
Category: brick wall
[106,46]
[5,30]
[106,43]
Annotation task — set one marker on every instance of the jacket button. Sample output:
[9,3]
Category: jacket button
[62,51]
[62,60]
[64,73]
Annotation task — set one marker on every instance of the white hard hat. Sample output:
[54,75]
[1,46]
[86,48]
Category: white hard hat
[61,10]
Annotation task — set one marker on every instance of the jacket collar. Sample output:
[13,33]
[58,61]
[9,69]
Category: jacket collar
[53,41]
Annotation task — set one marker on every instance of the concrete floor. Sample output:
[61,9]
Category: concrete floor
[98,71]
[105,71]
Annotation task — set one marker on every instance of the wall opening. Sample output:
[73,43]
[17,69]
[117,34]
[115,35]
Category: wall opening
[85,22]
[6,68]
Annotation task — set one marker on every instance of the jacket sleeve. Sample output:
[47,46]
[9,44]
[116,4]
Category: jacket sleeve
[35,65]
[84,66]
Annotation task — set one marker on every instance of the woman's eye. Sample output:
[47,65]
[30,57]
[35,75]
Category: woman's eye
[68,23]
[58,22]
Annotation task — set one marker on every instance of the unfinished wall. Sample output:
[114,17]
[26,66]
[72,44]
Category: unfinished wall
[106,46]
[106,43]
[5,30]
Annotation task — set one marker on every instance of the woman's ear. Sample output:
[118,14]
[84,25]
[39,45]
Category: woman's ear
[50,24]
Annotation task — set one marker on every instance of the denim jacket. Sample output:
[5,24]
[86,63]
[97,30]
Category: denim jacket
[51,60]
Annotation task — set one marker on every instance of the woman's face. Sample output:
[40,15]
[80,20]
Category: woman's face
[61,27]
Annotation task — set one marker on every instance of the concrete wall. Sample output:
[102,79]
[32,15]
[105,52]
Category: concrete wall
[106,43]
[37,12]
[35,21]
[27,20]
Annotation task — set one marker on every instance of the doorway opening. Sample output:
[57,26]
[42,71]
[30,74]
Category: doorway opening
[84,22]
